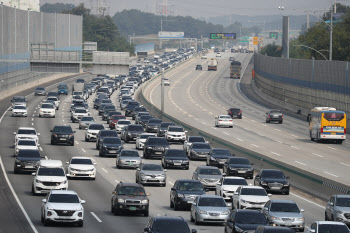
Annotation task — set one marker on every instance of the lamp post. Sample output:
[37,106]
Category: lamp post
[318,51]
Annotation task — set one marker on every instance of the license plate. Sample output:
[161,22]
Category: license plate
[176,138]
[276,188]
[333,133]
[130,164]
[189,202]
[132,208]
[288,224]
[29,166]
[177,164]
[153,180]
[158,153]
[241,171]
[63,139]
[113,151]
[64,217]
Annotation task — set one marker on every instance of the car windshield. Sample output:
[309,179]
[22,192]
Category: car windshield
[135,128]
[165,125]
[52,98]
[47,106]
[81,161]
[209,171]
[133,103]
[46,171]
[112,141]
[200,146]
[284,207]
[61,129]
[253,192]
[251,217]
[221,152]
[235,110]
[140,110]
[272,174]
[124,122]
[225,117]
[145,136]
[129,153]
[196,139]
[131,191]
[40,89]
[87,119]
[175,129]
[78,93]
[28,154]
[96,127]
[158,141]
[332,228]
[64,198]
[154,121]
[62,86]
[235,182]
[117,117]
[239,161]
[343,201]
[26,131]
[175,153]
[190,186]
[152,167]
[18,99]
[19,107]
[275,112]
[109,133]
[170,226]
[26,143]
[333,116]
[145,117]
[80,111]
[210,201]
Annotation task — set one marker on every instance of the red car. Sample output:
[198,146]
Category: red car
[114,120]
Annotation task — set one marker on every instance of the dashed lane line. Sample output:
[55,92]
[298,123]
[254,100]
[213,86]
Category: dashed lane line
[275,153]
[330,174]
[300,163]
[318,155]
[104,170]
[84,151]
[95,216]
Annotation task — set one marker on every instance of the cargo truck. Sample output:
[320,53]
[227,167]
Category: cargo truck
[212,64]
[235,69]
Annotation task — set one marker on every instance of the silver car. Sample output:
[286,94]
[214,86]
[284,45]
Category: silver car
[285,213]
[85,122]
[209,209]
[338,209]
[128,158]
[151,174]
[208,176]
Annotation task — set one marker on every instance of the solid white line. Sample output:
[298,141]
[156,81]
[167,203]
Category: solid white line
[77,142]
[171,183]
[254,145]
[15,195]
[330,174]
[300,163]
[345,164]
[252,121]
[203,123]
[104,170]
[83,150]
[278,141]
[262,135]
[318,155]
[226,133]
[247,129]
[41,149]
[97,218]
[304,199]
[275,153]
[239,139]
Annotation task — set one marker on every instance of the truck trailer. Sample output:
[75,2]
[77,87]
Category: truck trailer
[213,64]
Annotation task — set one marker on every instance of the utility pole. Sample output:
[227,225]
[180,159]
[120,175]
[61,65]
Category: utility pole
[331,36]
[307,20]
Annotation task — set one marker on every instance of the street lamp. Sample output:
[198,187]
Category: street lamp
[318,51]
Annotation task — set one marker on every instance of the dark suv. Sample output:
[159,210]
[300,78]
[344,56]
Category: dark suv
[131,132]
[238,166]
[235,113]
[155,147]
[163,128]
[272,180]
[153,125]
[217,157]
[130,108]
[165,224]
[274,115]
[199,67]
[26,161]
[104,134]
[184,192]
[137,110]
[130,197]
[62,134]
[110,146]
[176,158]
[245,221]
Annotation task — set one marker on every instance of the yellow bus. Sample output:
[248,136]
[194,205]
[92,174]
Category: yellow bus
[326,123]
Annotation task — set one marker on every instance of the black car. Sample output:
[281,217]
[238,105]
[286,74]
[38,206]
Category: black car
[272,180]
[274,115]
[112,113]
[272,229]
[238,166]
[139,115]
[217,157]
[199,150]
[102,107]
[99,101]
[62,134]
[162,224]
[110,146]
[155,147]
[199,67]
[130,108]
[131,132]
[184,192]
[26,161]
[130,197]
[104,134]
[40,91]
[144,119]
[176,158]
[163,128]
[235,113]
[245,221]
[137,110]
[152,125]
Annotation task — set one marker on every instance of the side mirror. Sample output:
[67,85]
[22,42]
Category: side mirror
[14,133]
[42,156]
[165,170]
[95,163]
[173,189]
[331,203]
[38,134]
[302,210]
[269,195]
[216,117]
[186,131]
[82,201]
[229,204]
[312,230]
[67,162]
[287,177]
[252,164]
[194,231]
[223,174]
[138,169]
[206,190]
[148,194]
[257,177]
[147,229]
[33,174]
[74,131]
[44,200]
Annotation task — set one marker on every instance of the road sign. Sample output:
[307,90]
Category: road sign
[223,36]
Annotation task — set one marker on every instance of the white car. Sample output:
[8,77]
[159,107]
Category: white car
[140,140]
[26,133]
[92,131]
[166,82]
[223,120]
[55,100]
[203,57]
[19,110]
[27,144]
[62,206]
[175,134]
[49,176]
[250,197]
[218,54]
[81,167]
[47,110]
[79,113]
[121,124]
[228,186]
[328,226]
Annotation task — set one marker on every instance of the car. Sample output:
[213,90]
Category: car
[110,146]
[40,91]
[137,110]
[106,110]
[238,166]
[163,128]
[62,206]
[208,176]
[175,158]
[223,120]
[138,116]
[79,113]
[144,119]
[273,180]
[103,99]
[228,186]
[121,124]
[128,159]
[80,80]
[231,59]
[190,139]
[50,175]
[204,57]
[166,82]
[274,115]
[175,134]
[130,108]
[47,110]
[152,125]
[218,55]
[104,134]
[131,132]
[183,193]
[62,89]
[250,197]
[285,213]
[271,229]
[53,94]
[81,167]
[19,110]
[329,227]
[155,147]
[217,157]
[25,144]
[245,221]
[130,197]
[62,134]
[151,174]
[92,131]
[27,160]
[235,113]
[124,103]
[18,100]
[102,107]
[199,150]
[209,209]
[112,113]
[55,100]
[26,133]
[338,209]
[85,121]
[141,139]
[114,120]
[199,67]
[166,223]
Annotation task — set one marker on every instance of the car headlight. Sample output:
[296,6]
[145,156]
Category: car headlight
[286,184]
[238,229]
[170,161]
[180,195]
[212,158]
[202,212]
[243,201]
[275,218]
[300,219]
[162,175]
[142,175]
[121,200]
[149,147]
[225,212]
[338,212]
[263,183]
[144,201]
[37,181]
[65,182]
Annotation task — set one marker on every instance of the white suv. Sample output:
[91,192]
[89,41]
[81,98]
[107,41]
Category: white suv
[228,186]
[62,206]
[175,134]
[49,176]
[92,131]
[81,167]
[79,113]
[47,109]
[26,133]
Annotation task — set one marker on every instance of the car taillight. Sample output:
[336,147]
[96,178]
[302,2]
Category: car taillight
[321,130]
[240,112]
[229,120]
[282,115]
[220,120]
[269,116]
[344,130]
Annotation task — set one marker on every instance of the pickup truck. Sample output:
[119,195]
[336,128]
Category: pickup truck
[62,89]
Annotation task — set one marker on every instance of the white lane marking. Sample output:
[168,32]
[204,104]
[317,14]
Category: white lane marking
[46,158]
[32,123]
[14,193]
[331,148]
[345,164]
[104,170]
[41,149]
[275,153]
[92,159]
[63,120]
[170,182]
[95,216]
[226,133]
[84,151]
[293,135]
[330,174]
[117,181]
[247,129]
[278,130]
[304,199]
[32,119]
[278,141]
[77,142]
[252,121]
[300,163]
[262,135]
[264,125]
[295,147]
[239,139]
[203,123]
[34,112]
[318,155]
[254,145]
[33,115]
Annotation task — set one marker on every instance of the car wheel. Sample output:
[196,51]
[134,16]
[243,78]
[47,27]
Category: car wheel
[86,139]
[46,222]
[187,167]
[231,126]
[72,144]
[33,191]
[302,230]
[42,218]
[146,213]
[196,222]
[176,207]
[325,216]
[287,193]
[100,154]
[81,223]
[281,122]
[52,142]
[39,116]
[192,219]
[171,204]
[97,146]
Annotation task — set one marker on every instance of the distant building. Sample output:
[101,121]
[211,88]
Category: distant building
[32,5]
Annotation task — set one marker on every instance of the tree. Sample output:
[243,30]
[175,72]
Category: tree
[272,50]
[56,8]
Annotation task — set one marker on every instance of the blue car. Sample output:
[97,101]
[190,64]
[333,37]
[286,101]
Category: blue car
[62,89]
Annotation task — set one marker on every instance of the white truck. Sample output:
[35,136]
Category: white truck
[212,64]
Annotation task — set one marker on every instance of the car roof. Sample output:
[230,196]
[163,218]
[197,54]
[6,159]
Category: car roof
[252,187]
[200,143]
[210,167]
[272,170]
[225,116]
[80,157]
[63,192]
[130,184]
[342,196]
[283,201]
[50,163]
[211,196]
[330,223]
[248,211]
[233,178]
[172,218]
[63,126]
[188,180]
[26,128]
